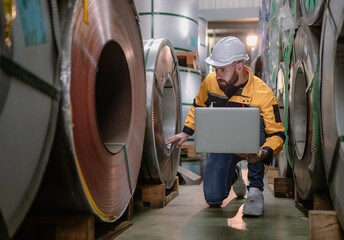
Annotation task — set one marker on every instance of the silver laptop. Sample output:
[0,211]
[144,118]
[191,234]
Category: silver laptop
[227,130]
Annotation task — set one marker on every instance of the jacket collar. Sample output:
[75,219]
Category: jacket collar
[248,89]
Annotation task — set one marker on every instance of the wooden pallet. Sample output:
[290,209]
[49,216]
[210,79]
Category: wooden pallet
[55,227]
[157,196]
[187,59]
[323,224]
[189,151]
[272,173]
[283,187]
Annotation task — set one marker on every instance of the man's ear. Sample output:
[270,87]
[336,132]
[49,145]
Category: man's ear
[239,66]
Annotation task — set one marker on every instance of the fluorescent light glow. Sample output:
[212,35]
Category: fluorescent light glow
[252,40]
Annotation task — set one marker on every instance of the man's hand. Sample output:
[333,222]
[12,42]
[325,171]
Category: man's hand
[181,137]
[252,158]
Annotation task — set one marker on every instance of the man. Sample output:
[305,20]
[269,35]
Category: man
[234,85]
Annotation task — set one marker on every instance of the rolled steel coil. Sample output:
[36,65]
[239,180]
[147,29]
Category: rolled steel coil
[332,101]
[308,169]
[283,164]
[312,11]
[163,112]
[275,45]
[29,100]
[203,46]
[257,66]
[97,153]
[191,80]
[176,20]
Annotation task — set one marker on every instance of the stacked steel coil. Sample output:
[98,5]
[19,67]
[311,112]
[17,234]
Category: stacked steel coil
[308,169]
[97,153]
[203,46]
[309,89]
[163,112]
[29,99]
[331,101]
[191,80]
[176,20]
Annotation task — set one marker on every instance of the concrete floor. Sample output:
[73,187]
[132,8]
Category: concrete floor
[189,217]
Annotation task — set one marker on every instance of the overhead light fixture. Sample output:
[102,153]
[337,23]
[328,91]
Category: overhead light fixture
[252,40]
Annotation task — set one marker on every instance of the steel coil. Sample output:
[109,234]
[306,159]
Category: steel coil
[312,11]
[275,44]
[191,81]
[97,153]
[28,105]
[332,102]
[163,110]
[203,46]
[308,170]
[176,20]
[283,164]
[257,66]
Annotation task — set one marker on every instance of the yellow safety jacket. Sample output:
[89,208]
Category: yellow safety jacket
[254,94]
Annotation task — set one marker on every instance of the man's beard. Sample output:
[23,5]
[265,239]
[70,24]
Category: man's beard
[229,84]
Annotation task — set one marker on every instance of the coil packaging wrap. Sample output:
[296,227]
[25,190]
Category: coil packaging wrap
[163,112]
[28,104]
[191,80]
[332,101]
[312,11]
[97,153]
[308,168]
[176,20]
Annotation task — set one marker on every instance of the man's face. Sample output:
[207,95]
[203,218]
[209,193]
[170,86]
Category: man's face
[226,76]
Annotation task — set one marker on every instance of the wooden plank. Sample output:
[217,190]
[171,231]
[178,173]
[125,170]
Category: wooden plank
[322,202]
[324,224]
[283,187]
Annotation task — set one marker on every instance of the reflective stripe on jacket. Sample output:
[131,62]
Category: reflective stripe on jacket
[254,94]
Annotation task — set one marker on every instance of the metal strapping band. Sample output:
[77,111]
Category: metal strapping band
[15,70]
[126,160]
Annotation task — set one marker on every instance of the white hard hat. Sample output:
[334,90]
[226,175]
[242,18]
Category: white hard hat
[226,51]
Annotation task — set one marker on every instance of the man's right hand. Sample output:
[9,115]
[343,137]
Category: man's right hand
[181,137]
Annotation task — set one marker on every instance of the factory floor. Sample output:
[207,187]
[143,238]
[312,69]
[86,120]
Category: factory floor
[189,217]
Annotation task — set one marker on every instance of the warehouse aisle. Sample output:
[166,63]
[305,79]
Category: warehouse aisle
[188,217]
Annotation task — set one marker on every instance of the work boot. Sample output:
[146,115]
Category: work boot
[254,203]
[239,185]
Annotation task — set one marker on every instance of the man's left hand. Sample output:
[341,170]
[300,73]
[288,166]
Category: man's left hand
[252,158]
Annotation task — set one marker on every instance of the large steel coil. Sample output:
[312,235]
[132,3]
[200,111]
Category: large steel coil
[191,80]
[28,104]
[332,102]
[97,154]
[203,46]
[176,20]
[163,112]
[308,169]
[312,11]
[257,66]
[275,44]
[283,164]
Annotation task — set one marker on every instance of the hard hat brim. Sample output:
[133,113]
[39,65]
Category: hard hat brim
[211,62]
